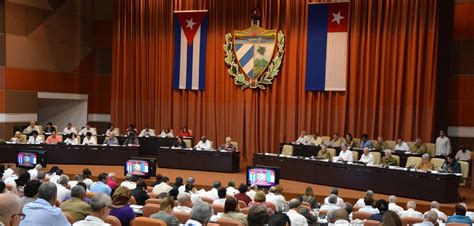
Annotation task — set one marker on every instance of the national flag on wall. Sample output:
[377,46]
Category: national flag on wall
[190,36]
[326,53]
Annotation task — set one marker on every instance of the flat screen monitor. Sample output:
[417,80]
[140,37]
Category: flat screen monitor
[29,158]
[141,167]
[263,176]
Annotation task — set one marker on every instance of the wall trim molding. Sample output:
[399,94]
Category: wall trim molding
[98,117]
[460,131]
[18,117]
[64,96]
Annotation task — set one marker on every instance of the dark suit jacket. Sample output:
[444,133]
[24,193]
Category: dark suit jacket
[140,195]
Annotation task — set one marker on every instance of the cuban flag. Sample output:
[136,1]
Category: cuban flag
[326,53]
[190,36]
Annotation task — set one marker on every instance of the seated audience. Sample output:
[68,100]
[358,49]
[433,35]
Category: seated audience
[100,186]
[140,194]
[390,218]
[185,132]
[279,219]
[258,216]
[63,188]
[10,210]
[401,145]
[382,207]
[323,153]
[350,140]
[89,139]
[69,129]
[345,154]
[18,138]
[260,200]
[112,181]
[295,217]
[3,188]
[201,213]
[274,196]
[228,146]
[130,181]
[303,139]
[131,139]
[232,211]
[30,192]
[425,163]
[361,202]
[340,201]
[388,159]
[459,216]
[184,203]
[430,218]
[163,187]
[35,138]
[316,140]
[213,192]
[310,198]
[166,133]
[20,183]
[71,139]
[242,196]
[32,127]
[42,211]
[178,182]
[336,141]
[204,144]
[76,206]
[365,142]
[231,188]
[410,212]
[338,217]
[87,177]
[165,214]
[147,132]
[381,144]
[222,193]
[122,210]
[451,165]
[111,140]
[180,143]
[34,172]
[101,205]
[158,179]
[307,212]
[435,207]
[392,205]
[54,138]
[419,147]
[88,129]
[48,129]
[253,189]
[367,157]
[111,131]
[331,205]
[463,154]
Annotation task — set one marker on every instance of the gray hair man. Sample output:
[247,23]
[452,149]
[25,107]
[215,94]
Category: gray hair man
[435,207]
[63,188]
[411,212]
[76,207]
[331,203]
[200,214]
[34,172]
[295,217]
[10,209]
[184,203]
[101,205]
[392,204]
[430,218]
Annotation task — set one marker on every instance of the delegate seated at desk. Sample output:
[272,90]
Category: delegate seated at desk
[34,138]
[111,130]
[147,132]
[336,141]
[185,132]
[365,142]
[381,144]
[388,159]
[71,139]
[180,143]
[316,139]
[345,154]
[69,129]
[204,144]
[303,139]
[48,129]
[89,139]
[88,129]
[54,138]
[419,147]
[401,145]
[131,138]
[111,140]
[323,153]
[425,164]
[32,127]
[228,146]
[367,157]
[451,165]
[166,133]
[463,154]
[18,138]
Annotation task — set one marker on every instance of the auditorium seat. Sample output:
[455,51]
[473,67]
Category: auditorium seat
[23,136]
[207,199]
[361,215]
[236,144]
[182,217]
[56,128]
[188,142]
[332,152]
[323,213]
[411,144]
[145,221]
[218,208]
[153,201]
[431,149]
[149,188]
[413,162]
[411,220]
[325,139]
[228,222]
[242,204]
[391,144]
[464,172]
[117,130]
[149,209]
[40,128]
[68,217]
[377,156]
[437,162]
[373,143]
[372,223]
[245,210]
[42,136]
[287,150]
[153,195]
[397,158]
[356,142]
[113,221]
[355,155]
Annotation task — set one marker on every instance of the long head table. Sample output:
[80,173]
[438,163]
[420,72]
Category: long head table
[412,184]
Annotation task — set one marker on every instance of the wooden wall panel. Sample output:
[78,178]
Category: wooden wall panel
[21,102]
[99,104]
[463,20]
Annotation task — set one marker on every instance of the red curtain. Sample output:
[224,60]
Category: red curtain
[391,81]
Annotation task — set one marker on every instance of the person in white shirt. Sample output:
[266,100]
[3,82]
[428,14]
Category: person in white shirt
[303,139]
[166,133]
[435,208]
[410,212]
[401,145]
[162,187]
[201,213]
[75,179]
[34,172]
[9,171]
[89,139]
[32,127]
[101,205]
[184,203]
[295,217]
[130,182]
[213,192]
[443,144]
[316,140]
[71,139]
[274,196]
[204,144]
[463,154]
[367,157]
[18,138]
[338,217]
[63,190]
[392,205]
[368,207]
[430,219]
[35,138]
[189,180]
[147,132]
[345,154]
[88,129]
[331,203]
[360,202]
[221,192]
[339,202]
[111,130]
[252,191]
[231,190]
[69,129]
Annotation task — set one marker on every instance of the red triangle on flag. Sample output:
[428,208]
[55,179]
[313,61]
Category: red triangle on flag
[190,23]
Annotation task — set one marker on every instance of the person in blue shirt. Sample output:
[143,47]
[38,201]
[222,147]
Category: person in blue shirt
[459,216]
[42,211]
[451,165]
[100,186]
[365,142]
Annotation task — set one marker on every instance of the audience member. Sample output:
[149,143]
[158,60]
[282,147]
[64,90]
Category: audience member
[345,154]
[164,186]
[204,144]
[2,187]
[166,133]
[112,181]
[221,192]
[158,179]
[178,182]
[279,219]
[331,203]
[382,207]
[430,219]
[242,196]
[48,129]
[360,202]
[459,216]
[76,206]
[419,147]
[388,159]
[201,213]
[451,165]
[425,163]
[165,214]
[367,157]
[34,172]
[231,190]
[122,209]
[10,210]
[258,215]
[435,207]
[147,132]
[260,200]
[32,127]
[274,196]
[463,154]
[390,218]
[401,145]
[411,212]
[340,201]
[42,212]
[69,130]
[228,146]
[35,138]
[101,204]
[295,217]
[392,205]
[184,203]
[381,144]
[130,182]
[365,142]
[323,153]
[252,191]
[336,141]
[338,217]
[368,207]
[63,188]
[100,186]
[30,192]
[89,139]
[174,193]
[87,177]
[232,211]
[213,192]
[307,212]
[18,138]
[443,144]
[20,183]
[310,198]
[140,194]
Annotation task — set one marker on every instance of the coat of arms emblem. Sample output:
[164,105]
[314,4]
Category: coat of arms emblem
[254,55]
